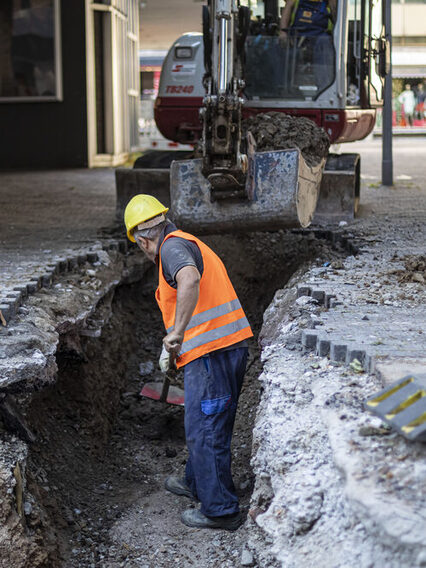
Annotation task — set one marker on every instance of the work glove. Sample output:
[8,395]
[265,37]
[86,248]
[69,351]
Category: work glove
[166,361]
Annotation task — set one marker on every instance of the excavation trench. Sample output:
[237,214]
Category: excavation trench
[102,452]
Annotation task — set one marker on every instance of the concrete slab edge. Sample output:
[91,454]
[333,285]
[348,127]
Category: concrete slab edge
[12,300]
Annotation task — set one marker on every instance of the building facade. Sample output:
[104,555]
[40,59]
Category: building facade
[69,82]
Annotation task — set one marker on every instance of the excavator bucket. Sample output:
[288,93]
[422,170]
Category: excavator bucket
[281,192]
[403,406]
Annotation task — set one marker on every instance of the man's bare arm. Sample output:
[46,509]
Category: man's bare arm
[285,16]
[333,9]
[188,289]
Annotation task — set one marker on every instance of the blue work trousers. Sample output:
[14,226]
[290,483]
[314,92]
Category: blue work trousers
[212,387]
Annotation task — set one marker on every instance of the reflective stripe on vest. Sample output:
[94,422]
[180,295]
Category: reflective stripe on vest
[212,313]
[218,320]
[214,334]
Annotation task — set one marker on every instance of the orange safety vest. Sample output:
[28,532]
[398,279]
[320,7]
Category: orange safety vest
[218,319]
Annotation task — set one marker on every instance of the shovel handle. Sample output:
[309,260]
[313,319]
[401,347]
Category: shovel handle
[172,357]
[166,380]
[165,389]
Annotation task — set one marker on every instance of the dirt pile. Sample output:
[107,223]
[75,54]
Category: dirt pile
[279,131]
[415,269]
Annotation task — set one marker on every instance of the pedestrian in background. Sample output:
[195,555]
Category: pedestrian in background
[408,100]
[207,330]
[421,96]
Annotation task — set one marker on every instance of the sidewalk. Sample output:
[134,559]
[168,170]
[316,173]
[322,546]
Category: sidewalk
[49,220]
[403,131]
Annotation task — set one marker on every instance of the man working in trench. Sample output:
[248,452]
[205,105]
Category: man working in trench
[207,330]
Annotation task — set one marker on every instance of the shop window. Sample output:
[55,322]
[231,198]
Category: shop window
[147,82]
[30,50]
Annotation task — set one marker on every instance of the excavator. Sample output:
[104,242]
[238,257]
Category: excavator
[240,66]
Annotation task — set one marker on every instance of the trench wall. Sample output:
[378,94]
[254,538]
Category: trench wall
[73,327]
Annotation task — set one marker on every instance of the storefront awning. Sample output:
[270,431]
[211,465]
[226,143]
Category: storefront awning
[408,62]
[411,73]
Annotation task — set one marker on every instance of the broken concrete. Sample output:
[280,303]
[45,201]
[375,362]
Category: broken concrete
[334,485]
[53,320]
[29,342]
[323,490]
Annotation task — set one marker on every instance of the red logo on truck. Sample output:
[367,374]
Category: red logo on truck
[178,89]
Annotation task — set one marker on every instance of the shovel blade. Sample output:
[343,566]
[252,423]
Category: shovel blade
[154,390]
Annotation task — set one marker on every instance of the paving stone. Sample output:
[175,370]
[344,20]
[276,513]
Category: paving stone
[338,351]
[62,265]
[318,295]
[34,284]
[323,346]
[328,297]
[22,289]
[53,269]
[73,263]
[32,287]
[46,280]
[309,339]
[395,368]
[355,352]
[14,300]
[303,291]
[7,311]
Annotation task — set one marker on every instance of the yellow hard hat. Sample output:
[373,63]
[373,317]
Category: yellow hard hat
[140,209]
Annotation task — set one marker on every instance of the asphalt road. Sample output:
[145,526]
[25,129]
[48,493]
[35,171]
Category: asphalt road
[409,155]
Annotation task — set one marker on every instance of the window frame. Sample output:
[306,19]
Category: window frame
[57,66]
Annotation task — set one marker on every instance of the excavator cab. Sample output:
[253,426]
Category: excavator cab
[336,78]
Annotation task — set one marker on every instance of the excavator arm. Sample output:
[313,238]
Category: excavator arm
[224,165]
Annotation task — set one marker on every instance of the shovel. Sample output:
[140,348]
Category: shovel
[163,392]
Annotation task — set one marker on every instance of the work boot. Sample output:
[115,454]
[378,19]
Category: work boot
[195,518]
[178,487]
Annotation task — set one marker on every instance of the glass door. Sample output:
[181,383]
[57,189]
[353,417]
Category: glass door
[374,48]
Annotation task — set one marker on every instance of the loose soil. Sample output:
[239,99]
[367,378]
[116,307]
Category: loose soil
[103,452]
[279,131]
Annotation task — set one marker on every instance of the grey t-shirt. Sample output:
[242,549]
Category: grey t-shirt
[177,253]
